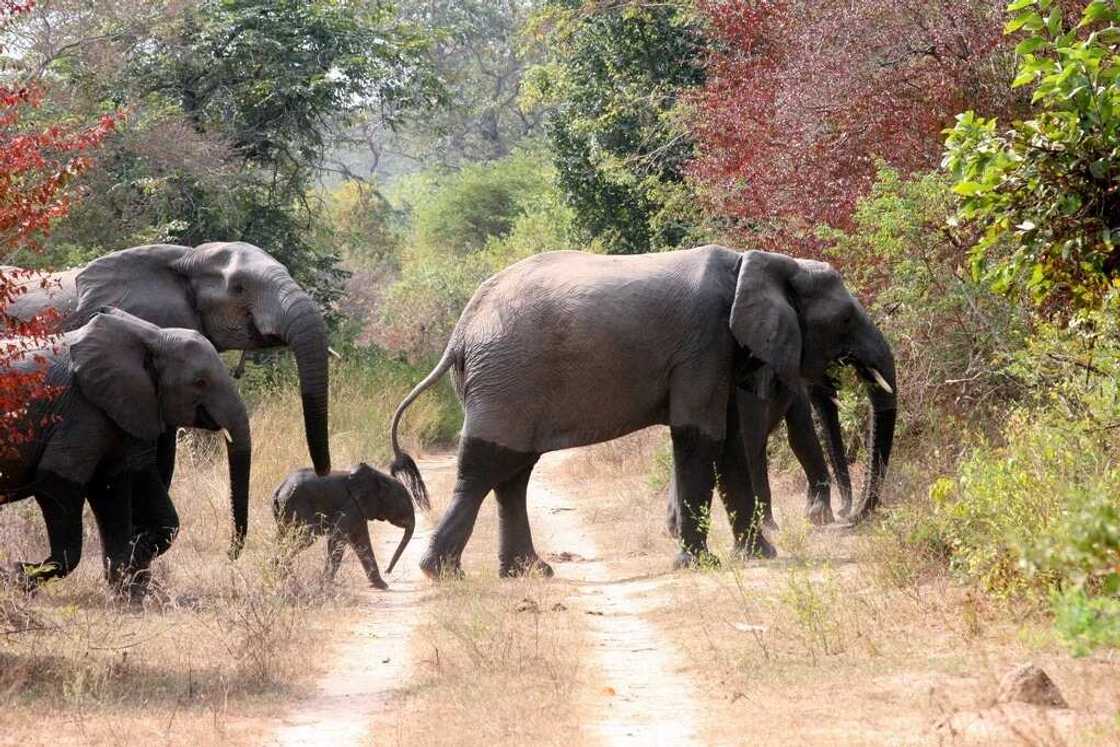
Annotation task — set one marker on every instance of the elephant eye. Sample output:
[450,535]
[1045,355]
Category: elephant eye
[200,383]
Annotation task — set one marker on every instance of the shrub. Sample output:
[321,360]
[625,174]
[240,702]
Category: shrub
[952,337]
[466,227]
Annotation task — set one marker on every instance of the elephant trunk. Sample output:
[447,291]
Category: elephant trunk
[882,390]
[305,332]
[239,451]
[409,527]
[824,400]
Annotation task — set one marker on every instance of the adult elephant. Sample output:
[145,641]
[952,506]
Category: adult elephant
[802,436]
[112,386]
[565,349]
[233,293]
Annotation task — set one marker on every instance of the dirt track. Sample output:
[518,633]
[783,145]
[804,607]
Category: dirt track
[666,658]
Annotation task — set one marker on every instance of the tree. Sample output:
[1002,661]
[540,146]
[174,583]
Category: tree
[1044,194]
[38,163]
[615,76]
[233,105]
[803,97]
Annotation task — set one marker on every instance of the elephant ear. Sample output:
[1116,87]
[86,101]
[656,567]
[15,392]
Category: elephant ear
[144,281]
[359,482]
[763,319]
[110,361]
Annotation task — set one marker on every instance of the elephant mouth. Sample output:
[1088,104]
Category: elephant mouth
[203,419]
[259,339]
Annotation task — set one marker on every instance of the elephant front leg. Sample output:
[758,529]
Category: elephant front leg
[694,456]
[110,499]
[735,487]
[155,525]
[358,538]
[807,448]
[517,556]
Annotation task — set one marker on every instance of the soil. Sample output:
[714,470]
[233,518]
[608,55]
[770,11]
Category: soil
[669,661]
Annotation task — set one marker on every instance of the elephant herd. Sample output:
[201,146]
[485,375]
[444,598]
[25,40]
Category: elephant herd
[559,350]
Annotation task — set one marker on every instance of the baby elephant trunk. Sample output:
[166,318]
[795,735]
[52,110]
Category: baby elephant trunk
[408,527]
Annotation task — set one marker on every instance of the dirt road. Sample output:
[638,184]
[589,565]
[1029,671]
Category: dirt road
[619,650]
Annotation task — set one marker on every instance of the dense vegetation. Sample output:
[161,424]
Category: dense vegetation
[421,149]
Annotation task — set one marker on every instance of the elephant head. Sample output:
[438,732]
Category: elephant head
[146,379]
[236,295]
[383,498]
[796,318]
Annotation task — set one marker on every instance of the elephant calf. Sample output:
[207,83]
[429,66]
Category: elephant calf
[338,505]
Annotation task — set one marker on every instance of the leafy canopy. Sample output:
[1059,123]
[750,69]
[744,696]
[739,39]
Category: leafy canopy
[1044,193]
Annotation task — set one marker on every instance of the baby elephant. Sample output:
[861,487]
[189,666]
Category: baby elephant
[339,505]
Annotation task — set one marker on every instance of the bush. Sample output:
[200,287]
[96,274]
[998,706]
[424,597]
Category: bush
[952,337]
[466,227]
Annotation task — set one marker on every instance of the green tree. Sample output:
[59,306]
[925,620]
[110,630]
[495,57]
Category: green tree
[1044,192]
[232,103]
[615,77]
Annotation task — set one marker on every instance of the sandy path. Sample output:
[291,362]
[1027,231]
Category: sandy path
[373,659]
[643,696]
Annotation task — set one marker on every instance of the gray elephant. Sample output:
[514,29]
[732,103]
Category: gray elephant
[339,505]
[113,386]
[566,349]
[233,293]
[802,436]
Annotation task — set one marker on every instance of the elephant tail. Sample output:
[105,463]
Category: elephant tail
[404,467]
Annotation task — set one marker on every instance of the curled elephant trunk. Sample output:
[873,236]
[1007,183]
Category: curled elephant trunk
[239,451]
[305,332]
[882,388]
[405,539]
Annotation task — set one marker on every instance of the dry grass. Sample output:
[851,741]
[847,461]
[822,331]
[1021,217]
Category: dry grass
[844,638]
[499,661]
[220,642]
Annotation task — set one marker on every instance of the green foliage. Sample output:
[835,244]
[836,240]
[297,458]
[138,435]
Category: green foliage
[615,78]
[1038,512]
[231,105]
[1043,193]
[952,336]
[466,226]
[1087,623]
[358,223]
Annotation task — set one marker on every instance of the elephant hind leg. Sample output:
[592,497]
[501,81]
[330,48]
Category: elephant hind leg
[61,504]
[482,467]
[517,554]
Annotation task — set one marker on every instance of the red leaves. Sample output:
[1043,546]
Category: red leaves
[37,165]
[803,97]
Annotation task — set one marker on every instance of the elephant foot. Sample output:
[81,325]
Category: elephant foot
[526,566]
[770,524]
[844,510]
[440,567]
[688,559]
[819,514]
[379,583]
[759,548]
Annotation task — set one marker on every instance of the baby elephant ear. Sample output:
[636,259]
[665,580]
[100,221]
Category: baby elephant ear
[762,318]
[111,362]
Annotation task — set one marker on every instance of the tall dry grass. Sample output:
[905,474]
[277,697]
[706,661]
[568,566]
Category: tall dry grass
[217,642]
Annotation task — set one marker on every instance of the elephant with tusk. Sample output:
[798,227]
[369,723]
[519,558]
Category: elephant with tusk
[233,293]
[113,385]
[565,349]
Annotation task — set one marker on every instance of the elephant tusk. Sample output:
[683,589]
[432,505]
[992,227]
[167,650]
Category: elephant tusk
[334,352]
[835,401]
[881,381]
[229,438]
